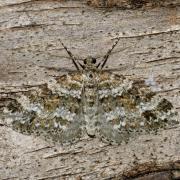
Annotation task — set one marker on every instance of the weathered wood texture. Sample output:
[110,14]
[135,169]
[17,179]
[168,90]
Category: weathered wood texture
[132,3]
[149,48]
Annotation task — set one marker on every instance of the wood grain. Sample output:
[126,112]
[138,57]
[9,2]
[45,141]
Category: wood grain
[149,48]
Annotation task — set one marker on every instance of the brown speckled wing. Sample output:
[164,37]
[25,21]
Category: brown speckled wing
[52,111]
[129,108]
[55,111]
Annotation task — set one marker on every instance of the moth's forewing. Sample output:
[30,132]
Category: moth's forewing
[130,108]
[53,112]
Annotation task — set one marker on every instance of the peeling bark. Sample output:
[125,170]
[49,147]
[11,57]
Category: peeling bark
[30,55]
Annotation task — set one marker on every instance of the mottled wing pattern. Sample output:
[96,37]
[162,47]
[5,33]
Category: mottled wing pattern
[129,108]
[52,111]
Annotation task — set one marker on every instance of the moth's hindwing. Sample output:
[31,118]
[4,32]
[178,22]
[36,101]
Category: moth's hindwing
[130,108]
[53,112]
[57,111]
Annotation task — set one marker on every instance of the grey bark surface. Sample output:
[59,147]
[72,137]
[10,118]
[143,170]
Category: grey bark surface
[149,48]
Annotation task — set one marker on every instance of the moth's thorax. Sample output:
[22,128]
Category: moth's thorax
[90,75]
[90,87]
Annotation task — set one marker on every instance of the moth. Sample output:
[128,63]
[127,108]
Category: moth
[89,101]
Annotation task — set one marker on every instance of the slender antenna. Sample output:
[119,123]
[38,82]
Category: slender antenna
[69,53]
[105,58]
[71,56]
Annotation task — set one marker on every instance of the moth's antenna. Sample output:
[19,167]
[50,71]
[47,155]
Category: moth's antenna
[71,56]
[105,58]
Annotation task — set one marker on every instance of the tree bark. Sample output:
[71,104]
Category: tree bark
[29,54]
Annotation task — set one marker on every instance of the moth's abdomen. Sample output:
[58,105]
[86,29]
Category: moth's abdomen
[90,96]
[90,89]
[90,103]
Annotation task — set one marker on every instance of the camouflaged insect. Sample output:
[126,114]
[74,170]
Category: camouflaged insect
[89,101]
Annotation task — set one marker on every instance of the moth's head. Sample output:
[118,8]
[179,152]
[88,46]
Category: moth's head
[90,63]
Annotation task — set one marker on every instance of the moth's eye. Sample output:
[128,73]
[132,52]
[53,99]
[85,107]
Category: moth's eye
[90,75]
[93,60]
[85,62]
